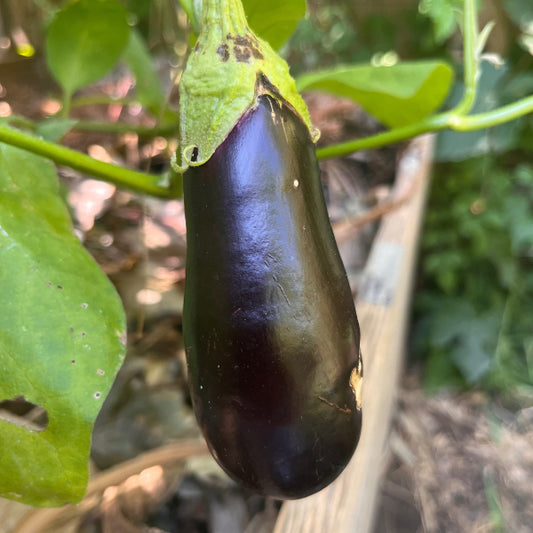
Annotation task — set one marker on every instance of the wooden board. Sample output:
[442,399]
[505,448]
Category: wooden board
[348,505]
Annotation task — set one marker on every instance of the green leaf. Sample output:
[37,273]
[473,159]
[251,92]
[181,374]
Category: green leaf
[440,372]
[276,20]
[520,12]
[476,347]
[444,15]
[53,129]
[467,336]
[397,95]
[519,222]
[273,21]
[61,335]
[148,87]
[85,40]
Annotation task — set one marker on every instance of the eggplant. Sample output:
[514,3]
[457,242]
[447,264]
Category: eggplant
[270,329]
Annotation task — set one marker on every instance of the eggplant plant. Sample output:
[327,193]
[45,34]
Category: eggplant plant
[270,328]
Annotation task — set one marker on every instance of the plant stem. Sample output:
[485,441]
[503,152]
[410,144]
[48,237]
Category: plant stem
[224,16]
[104,127]
[23,122]
[434,123]
[123,177]
[121,127]
[67,99]
[471,57]
[441,121]
[495,117]
[101,99]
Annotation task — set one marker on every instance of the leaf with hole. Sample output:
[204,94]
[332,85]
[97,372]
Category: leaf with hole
[61,338]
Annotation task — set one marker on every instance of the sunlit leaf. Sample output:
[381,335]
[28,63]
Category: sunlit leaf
[61,336]
[276,20]
[396,95]
[85,40]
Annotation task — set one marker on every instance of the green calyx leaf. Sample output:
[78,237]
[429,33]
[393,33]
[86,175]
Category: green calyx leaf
[228,68]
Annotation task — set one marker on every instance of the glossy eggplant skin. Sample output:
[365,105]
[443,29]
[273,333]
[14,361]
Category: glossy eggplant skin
[270,330]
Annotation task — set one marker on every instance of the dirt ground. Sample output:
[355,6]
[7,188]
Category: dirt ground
[459,462]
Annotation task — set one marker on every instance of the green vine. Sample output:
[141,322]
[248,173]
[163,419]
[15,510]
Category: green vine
[123,177]
[457,119]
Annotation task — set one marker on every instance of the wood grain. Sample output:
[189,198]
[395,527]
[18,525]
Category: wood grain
[348,505]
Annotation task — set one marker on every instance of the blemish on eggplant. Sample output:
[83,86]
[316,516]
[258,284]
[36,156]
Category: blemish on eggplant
[356,383]
[282,290]
[242,54]
[256,53]
[346,410]
[223,52]
[268,87]
[241,41]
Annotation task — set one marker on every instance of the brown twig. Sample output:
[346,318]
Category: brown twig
[345,229]
[41,520]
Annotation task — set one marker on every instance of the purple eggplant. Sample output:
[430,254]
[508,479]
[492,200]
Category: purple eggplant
[270,329]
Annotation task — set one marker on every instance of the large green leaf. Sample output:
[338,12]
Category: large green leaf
[61,335]
[275,20]
[397,95]
[85,40]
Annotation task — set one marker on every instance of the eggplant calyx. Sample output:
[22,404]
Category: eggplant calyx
[219,84]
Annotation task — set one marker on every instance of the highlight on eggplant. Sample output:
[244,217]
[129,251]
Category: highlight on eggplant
[270,329]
